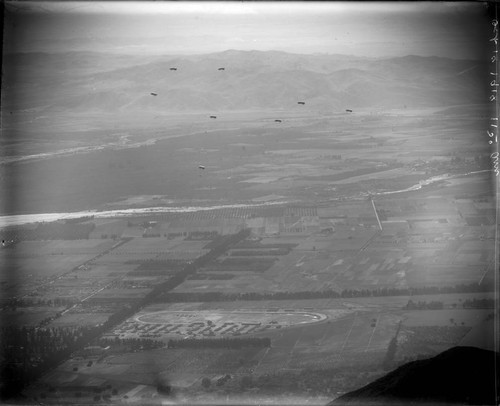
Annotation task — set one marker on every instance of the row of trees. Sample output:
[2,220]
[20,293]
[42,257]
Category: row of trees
[152,235]
[478,303]
[48,231]
[202,235]
[28,352]
[231,343]
[261,252]
[486,303]
[132,343]
[422,305]
[241,264]
[14,303]
[322,294]
[212,277]
[391,350]
[173,264]
[249,244]
[226,240]
[112,236]
[29,341]
[76,220]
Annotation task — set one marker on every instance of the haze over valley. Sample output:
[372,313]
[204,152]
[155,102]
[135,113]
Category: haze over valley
[155,143]
[244,205]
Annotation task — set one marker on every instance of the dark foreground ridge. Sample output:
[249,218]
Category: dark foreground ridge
[460,375]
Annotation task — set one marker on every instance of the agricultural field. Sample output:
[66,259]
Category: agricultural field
[231,223]
[72,318]
[319,345]
[384,243]
[156,246]
[306,157]
[141,250]
[31,264]
[398,242]
[28,316]
[109,227]
[349,333]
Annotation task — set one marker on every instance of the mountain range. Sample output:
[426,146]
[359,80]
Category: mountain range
[250,80]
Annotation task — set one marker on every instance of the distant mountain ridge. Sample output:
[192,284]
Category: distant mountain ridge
[460,375]
[82,81]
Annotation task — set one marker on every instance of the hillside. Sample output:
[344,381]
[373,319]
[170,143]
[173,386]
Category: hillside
[86,81]
[461,375]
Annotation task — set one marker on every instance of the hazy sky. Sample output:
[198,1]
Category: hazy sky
[457,30]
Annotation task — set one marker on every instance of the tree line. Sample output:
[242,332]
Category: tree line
[14,303]
[321,294]
[488,303]
[133,343]
[28,352]
[79,219]
[231,343]
[261,252]
[48,231]
[422,305]
[391,350]
[148,264]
